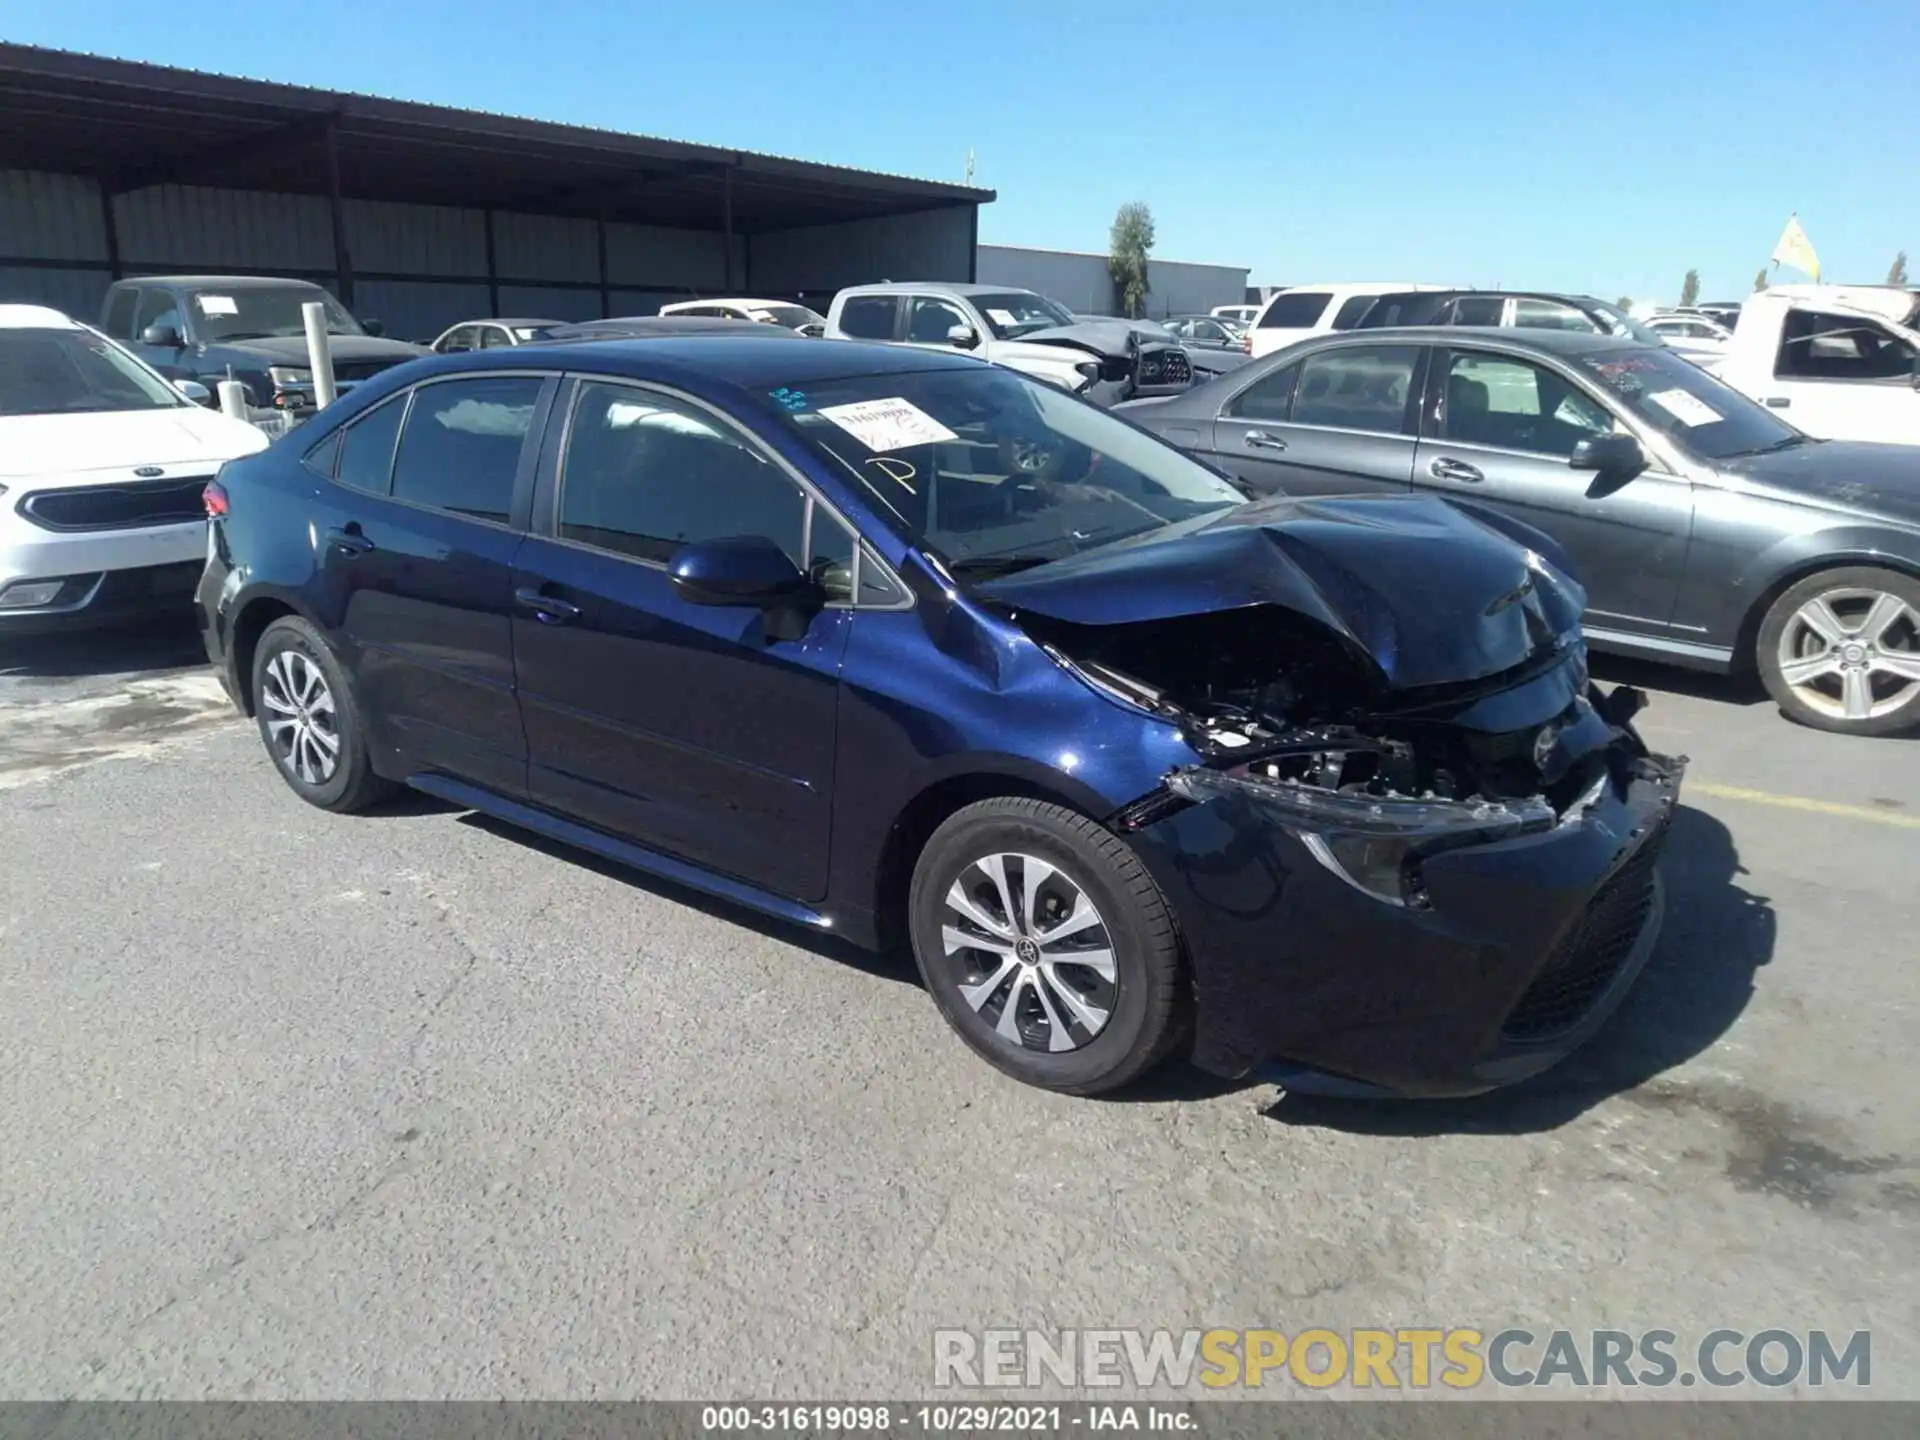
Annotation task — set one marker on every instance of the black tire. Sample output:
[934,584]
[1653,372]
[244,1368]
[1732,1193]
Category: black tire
[1147,1004]
[1821,701]
[286,648]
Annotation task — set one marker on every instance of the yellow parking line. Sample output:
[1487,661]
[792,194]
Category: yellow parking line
[1800,802]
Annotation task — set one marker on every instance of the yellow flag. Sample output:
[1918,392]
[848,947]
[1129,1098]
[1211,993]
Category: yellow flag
[1796,250]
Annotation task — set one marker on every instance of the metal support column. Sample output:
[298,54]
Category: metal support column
[606,291]
[726,225]
[342,261]
[111,229]
[493,272]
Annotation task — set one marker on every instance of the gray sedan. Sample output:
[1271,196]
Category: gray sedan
[1708,532]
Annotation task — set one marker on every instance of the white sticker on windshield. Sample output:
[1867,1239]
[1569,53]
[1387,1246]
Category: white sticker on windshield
[883,425]
[1687,409]
[1002,317]
[216,305]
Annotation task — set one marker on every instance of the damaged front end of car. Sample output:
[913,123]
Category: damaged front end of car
[1119,364]
[1432,887]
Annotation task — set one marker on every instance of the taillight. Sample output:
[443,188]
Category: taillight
[214,498]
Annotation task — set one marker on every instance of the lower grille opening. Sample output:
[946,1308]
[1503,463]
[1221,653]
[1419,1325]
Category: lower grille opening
[1590,954]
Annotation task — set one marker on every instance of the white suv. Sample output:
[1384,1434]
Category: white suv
[767,312]
[1303,310]
[101,467]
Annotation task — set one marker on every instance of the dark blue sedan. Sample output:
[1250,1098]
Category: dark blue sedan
[923,651]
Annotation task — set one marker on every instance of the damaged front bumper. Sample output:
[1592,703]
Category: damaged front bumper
[1408,946]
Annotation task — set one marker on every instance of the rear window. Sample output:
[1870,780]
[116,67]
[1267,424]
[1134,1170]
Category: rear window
[1295,310]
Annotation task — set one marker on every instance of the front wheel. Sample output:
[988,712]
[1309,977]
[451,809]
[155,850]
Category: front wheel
[1047,946]
[1840,651]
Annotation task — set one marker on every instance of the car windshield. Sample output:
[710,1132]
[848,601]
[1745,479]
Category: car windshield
[256,313]
[794,317]
[66,372]
[1019,312]
[1687,405]
[996,472]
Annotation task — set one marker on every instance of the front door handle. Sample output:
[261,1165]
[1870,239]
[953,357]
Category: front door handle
[1777,402]
[1446,469]
[548,609]
[350,538]
[1261,440]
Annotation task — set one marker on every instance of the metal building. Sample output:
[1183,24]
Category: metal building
[422,215]
[1079,280]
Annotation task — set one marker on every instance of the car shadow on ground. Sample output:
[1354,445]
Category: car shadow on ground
[1716,937]
[169,643]
[892,965]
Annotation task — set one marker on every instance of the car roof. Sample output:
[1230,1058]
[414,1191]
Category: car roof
[944,287]
[665,326]
[738,359]
[743,301]
[507,320]
[36,317]
[1498,337]
[225,282]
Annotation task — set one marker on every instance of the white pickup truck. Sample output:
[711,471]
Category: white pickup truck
[1841,362]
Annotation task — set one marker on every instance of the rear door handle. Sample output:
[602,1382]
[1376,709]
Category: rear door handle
[548,609]
[1777,402]
[1445,469]
[1261,440]
[350,539]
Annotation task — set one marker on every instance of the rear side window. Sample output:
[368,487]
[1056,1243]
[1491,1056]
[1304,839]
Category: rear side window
[869,317]
[1295,310]
[1357,387]
[1268,398]
[461,447]
[118,321]
[1550,315]
[366,447]
[1478,310]
[1353,312]
[644,475]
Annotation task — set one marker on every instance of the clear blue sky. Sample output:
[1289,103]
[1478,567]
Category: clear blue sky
[1539,143]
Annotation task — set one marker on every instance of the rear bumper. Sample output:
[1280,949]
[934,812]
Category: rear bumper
[1528,945]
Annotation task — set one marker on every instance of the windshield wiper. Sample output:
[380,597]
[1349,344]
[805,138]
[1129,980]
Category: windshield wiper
[1785,442]
[998,564]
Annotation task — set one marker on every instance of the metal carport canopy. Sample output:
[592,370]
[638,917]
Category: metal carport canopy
[132,125]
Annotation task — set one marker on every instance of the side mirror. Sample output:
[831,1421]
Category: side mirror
[194,391]
[963,336]
[374,328]
[161,337]
[738,570]
[1613,456]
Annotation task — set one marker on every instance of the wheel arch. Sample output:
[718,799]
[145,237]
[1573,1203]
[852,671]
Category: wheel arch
[1793,566]
[250,620]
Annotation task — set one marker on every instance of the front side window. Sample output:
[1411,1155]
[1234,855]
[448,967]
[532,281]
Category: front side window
[71,372]
[992,470]
[645,474]
[366,448]
[460,450]
[1268,398]
[458,340]
[1295,310]
[929,319]
[1478,310]
[1500,401]
[494,337]
[1550,315]
[869,317]
[1818,346]
[1357,387]
[1014,313]
[257,312]
[157,307]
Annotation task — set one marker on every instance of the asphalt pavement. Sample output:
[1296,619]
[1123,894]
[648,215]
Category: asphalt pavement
[411,1105]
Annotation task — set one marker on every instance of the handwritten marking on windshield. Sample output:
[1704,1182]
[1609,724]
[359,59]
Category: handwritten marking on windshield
[896,469]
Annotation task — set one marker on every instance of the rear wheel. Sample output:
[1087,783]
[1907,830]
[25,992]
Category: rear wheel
[1840,651]
[309,720]
[1047,946]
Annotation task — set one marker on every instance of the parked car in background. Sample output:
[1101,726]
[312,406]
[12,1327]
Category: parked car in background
[1707,530]
[1513,309]
[1841,361]
[1724,313]
[1207,331]
[210,328]
[895,645]
[1104,360]
[1690,334]
[102,461]
[654,327]
[765,312]
[491,335]
[1241,315]
[1303,310]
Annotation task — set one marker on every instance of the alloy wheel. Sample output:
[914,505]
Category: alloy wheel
[1852,653]
[303,726]
[1028,951]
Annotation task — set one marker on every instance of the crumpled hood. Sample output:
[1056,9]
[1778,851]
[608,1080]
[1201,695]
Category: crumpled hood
[1102,337]
[1420,590]
[80,444]
[292,349]
[1856,475]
